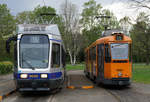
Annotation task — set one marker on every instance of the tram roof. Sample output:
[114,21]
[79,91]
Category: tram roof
[112,32]
[38,29]
[109,38]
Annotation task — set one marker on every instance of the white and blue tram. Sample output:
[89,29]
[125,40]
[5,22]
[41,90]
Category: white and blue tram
[39,57]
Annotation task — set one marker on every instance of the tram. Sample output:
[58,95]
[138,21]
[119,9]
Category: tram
[39,57]
[108,59]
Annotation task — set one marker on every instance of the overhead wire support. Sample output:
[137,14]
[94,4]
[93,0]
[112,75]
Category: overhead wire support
[105,17]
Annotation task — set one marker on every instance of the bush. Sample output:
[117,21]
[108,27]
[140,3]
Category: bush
[6,67]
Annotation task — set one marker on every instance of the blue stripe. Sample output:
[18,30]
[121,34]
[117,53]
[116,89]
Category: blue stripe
[50,75]
[56,40]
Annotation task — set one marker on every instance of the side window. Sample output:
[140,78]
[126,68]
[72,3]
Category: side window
[55,62]
[94,53]
[90,54]
[107,54]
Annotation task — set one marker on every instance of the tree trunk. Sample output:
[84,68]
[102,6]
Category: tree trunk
[71,60]
[74,59]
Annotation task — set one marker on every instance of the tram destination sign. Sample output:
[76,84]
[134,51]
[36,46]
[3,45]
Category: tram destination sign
[36,28]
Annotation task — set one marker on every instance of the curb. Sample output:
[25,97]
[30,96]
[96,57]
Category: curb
[81,87]
[6,95]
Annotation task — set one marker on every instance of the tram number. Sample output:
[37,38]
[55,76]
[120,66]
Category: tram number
[33,76]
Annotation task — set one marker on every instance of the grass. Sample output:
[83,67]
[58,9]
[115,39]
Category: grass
[140,74]
[75,67]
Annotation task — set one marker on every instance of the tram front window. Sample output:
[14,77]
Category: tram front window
[34,51]
[119,51]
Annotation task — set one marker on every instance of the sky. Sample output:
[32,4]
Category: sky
[120,8]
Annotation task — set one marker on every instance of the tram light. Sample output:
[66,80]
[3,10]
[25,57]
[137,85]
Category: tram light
[23,76]
[44,75]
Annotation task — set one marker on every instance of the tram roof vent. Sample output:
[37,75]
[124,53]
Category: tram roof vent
[112,32]
[38,29]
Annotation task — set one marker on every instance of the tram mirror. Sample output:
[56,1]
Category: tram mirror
[14,38]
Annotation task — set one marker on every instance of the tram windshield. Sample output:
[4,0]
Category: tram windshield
[34,51]
[119,51]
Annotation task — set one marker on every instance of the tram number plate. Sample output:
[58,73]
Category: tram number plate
[33,76]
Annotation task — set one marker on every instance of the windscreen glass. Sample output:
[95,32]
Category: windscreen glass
[119,51]
[34,51]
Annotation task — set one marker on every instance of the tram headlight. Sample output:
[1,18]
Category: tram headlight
[44,75]
[23,76]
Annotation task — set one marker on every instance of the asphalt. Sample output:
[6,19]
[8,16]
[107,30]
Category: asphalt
[7,85]
[135,93]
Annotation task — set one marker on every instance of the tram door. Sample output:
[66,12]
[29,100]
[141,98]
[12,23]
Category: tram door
[100,62]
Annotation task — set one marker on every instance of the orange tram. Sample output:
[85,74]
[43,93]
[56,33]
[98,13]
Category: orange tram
[108,59]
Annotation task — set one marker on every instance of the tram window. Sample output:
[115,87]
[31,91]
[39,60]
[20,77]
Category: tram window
[34,54]
[55,62]
[119,50]
[90,54]
[94,53]
[107,53]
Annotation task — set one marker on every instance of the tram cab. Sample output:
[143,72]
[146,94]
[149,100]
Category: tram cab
[39,57]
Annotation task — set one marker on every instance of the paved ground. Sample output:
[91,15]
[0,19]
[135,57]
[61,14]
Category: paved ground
[135,93]
[6,84]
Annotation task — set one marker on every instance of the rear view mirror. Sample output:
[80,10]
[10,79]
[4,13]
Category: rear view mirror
[14,38]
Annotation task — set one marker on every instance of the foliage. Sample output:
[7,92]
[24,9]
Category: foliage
[6,67]
[140,34]
[92,27]
[35,17]
[140,4]
[7,22]
[71,34]
[125,24]
[7,26]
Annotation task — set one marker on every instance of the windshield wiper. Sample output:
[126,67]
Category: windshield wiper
[27,62]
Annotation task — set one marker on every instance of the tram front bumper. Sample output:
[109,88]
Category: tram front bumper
[37,84]
[117,81]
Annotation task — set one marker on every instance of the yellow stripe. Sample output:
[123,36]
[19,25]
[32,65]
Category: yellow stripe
[87,87]
[1,98]
[71,87]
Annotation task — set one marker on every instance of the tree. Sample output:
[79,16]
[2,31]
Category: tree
[25,17]
[90,11]
[71,30]
[140,4]
[43,19]
[92,27]
[125,24]
[7,22]
[141,38]
[35,17]
[7,26]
